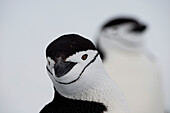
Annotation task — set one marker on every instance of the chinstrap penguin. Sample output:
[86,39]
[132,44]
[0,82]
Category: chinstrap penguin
[133,68]
[80,82]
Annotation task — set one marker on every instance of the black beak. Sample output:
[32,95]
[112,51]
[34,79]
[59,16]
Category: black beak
[139,28]
[62,67]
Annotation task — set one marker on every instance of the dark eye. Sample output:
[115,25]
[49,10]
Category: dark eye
[84,57]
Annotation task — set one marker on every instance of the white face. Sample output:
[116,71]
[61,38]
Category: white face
[121,35]
[76,77]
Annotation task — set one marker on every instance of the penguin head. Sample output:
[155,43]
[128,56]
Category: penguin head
[69,59]
[126,32]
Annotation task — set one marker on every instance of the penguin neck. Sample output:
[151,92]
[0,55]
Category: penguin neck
[123,49]
[123,42]
[129,45]
[117,48]
[110,53]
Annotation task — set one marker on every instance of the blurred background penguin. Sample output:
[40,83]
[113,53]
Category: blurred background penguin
[133,68]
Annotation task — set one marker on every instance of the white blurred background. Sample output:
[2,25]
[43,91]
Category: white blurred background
[28,26]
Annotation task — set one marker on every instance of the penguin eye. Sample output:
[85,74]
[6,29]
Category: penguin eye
[84,57]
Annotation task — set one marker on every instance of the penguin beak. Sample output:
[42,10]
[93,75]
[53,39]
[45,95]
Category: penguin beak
[62,67]
[139,28]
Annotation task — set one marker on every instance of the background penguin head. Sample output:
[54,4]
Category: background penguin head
[69,59]
[123,31]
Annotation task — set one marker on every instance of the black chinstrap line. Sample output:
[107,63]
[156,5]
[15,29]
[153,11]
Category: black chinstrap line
[80,73]
[49,71]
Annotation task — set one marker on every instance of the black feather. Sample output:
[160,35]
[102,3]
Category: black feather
[61,104]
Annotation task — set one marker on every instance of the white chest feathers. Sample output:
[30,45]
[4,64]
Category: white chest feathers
[107,94]
[138,78]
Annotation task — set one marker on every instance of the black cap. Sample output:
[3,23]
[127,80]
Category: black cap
[67,45]
[138,27]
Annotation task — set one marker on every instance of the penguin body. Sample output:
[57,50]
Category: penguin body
[80,81]
[129,65]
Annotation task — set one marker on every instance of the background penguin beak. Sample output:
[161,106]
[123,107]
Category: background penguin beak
[61,67]
[139,28]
